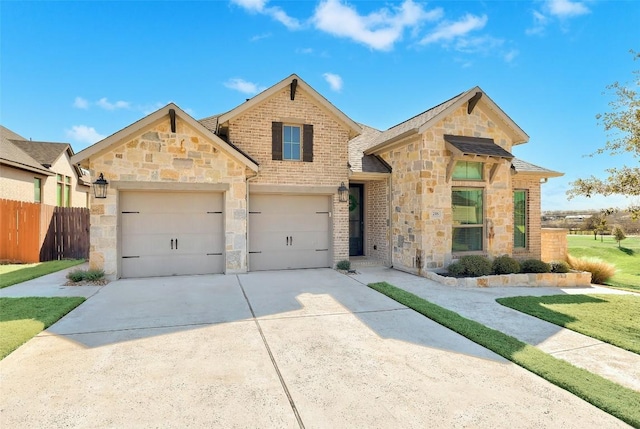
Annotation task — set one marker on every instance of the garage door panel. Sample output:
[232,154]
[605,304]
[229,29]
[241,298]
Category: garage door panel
[171,233]
[289,231]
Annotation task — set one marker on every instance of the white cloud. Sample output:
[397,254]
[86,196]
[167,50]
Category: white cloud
[80,103]
[511,55]
[84,134]
[379,30]
[334,81]
[275,12]
[260,37]
[540,22]
[448,31]
[105,104]
[244,86]
[566,8]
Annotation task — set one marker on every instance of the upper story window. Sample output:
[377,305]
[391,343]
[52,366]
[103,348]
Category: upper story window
[291,142]
[63,191]
[468,170]
[37,190]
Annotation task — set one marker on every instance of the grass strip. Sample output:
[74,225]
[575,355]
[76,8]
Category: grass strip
[609,318]
[617,400]
[23,318]
[12,274]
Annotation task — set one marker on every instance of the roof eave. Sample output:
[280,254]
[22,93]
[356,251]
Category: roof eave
[26,167]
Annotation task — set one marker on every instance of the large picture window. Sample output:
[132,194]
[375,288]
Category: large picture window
[519,219]
[468,219]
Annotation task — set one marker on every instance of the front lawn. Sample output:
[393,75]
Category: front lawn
[626,258]
[614,319]
[617,400]
[11,274]
[23,318]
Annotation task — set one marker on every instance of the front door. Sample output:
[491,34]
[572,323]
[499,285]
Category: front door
[356,221]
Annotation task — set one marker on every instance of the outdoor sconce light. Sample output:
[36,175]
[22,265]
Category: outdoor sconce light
[100,187]
[343,193]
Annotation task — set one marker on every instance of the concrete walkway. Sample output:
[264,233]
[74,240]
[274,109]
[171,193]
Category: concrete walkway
[51,285]
[480,305]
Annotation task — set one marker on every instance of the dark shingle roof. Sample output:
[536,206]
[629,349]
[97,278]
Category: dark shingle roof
[365,163]
[477,146]
[46,153]
[210,123]
[13,155]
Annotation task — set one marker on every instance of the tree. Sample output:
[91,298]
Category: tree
[623,127]
[619,234]
[592,224]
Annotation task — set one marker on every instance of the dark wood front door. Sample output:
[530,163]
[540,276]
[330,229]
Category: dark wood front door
[356,220]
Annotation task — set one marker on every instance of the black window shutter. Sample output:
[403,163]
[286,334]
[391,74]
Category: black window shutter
[276,140]
[307,143]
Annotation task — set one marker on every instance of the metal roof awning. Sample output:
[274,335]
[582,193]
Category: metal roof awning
[478,149]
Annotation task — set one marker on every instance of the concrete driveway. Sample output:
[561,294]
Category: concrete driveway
[310,348]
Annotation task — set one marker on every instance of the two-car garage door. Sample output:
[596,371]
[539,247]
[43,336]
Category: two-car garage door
[289,231]
[171,233]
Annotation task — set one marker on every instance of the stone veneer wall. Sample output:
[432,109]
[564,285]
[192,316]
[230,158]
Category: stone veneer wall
[251,131]
[159,156]
[377,220]
[554,244]
[421,198]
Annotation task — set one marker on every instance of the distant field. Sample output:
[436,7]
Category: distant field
[626,259]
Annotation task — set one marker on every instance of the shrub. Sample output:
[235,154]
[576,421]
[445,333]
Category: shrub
[505,265]
[89,275]
[76,275]
[476,265]
[559,267]
[344,265]
[456,269]
[534,266]
[600,270]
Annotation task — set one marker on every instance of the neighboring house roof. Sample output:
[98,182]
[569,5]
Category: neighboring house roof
[475,146]
[353,127]
[360,163]
[210,123]
[423,121]
[523,167]
[46,153]
[105,144]
[11,154]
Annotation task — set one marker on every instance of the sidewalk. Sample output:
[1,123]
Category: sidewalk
[50,285]
[606,360]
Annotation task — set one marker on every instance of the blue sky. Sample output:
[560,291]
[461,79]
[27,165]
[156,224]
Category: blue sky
[79,71]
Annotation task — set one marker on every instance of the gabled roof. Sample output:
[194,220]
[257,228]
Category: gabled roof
[360,163]
[523,167]
[12,155]
[463,145]
[46,153]
[125,133]
[423,121]
[353,127]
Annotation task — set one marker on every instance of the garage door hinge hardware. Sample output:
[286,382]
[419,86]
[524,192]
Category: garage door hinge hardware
[214,212]
[256,252]
[322,250]
[255,212]
[322,212]
[130,257]
[214,254]
[130,212]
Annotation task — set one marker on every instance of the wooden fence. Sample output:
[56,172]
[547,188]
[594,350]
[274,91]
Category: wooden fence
[31,232]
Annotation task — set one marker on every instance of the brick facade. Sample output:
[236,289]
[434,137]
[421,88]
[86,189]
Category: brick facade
[376,216]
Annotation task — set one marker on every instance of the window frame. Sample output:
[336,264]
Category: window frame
[299,143]
[37,190]
[476,226]
[466,178]
[525,214]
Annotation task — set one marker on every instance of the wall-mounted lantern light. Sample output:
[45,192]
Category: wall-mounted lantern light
[100,187]
[343,193]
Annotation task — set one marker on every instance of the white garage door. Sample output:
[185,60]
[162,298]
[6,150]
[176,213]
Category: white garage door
[289,231]
[171,233]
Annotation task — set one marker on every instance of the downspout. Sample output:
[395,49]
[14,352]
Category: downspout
[246,238]
[390,217]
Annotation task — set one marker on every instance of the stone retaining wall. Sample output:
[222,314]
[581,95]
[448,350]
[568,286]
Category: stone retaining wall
[510,280]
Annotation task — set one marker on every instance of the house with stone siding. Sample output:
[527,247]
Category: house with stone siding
[258,188]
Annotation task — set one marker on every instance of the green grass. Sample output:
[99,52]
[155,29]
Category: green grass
[12,274]
[609,318]
[626,258]
[23,318]
[619,401]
